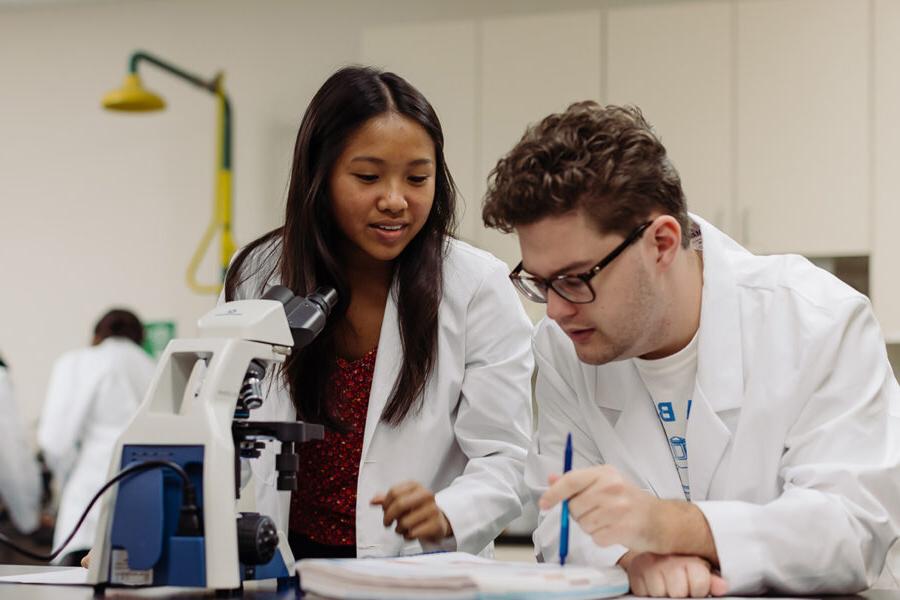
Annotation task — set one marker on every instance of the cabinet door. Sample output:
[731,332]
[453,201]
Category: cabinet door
[531,66]
[884,265]
[803,118]
[674,62]
[440,59]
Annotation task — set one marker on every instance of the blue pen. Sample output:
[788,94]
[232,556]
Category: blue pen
[564,518]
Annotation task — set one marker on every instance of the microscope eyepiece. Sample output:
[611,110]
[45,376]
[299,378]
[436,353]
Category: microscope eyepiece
[306,315]
[325,298]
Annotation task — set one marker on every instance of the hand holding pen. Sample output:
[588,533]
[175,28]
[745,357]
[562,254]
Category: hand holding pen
[613,510]
[668,540]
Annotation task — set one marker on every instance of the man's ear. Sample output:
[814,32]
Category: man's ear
[665,234]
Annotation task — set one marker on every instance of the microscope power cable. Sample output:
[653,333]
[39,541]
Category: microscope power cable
[188,524]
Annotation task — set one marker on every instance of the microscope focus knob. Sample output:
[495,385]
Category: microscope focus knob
[287,463]
[257,539]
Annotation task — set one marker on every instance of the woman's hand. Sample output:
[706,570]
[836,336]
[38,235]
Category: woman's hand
[412,507]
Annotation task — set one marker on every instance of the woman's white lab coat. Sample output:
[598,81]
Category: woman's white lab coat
[469,441]
[92,395]
[20,480]
[793,455]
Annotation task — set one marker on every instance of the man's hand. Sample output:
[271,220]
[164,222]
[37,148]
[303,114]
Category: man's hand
[613,510]
[413,508]
[608,508]
[671,576]
[86,560]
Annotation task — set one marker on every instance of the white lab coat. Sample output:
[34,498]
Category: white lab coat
[93,394]
[20,480]
[469,441]
[793,457]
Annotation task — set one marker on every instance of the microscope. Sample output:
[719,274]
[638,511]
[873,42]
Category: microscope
[172,520]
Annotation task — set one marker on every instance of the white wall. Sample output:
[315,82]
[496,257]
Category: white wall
[99,209]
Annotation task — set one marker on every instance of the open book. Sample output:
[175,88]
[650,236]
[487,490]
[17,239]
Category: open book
[455,575]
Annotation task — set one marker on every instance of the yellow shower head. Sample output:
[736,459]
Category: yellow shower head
[132,96]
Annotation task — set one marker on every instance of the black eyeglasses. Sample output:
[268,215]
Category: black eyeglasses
[574,288]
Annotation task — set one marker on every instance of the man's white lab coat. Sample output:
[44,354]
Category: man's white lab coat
[793,456]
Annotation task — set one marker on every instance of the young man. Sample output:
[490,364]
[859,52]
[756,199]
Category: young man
[730,413]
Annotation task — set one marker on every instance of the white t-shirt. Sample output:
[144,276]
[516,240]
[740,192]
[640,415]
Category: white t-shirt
[670,381]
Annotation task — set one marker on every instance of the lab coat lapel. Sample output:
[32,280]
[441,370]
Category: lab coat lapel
[707,438]
[643,441]
[387,366]
[720,380]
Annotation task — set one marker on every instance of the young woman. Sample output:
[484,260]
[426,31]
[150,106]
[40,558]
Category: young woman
[422,374]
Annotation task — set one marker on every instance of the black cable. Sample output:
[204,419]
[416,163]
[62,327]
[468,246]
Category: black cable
[189,499]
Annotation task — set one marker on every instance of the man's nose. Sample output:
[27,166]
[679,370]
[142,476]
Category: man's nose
[558,307]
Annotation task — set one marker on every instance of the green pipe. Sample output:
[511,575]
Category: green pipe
[211,86]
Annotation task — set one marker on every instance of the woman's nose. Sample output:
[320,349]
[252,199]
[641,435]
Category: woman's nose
[393,200]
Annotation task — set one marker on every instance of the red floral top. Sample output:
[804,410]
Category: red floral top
[324,506]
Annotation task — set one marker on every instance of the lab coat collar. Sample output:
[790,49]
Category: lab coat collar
[708,438]
[720,376]
[719,358]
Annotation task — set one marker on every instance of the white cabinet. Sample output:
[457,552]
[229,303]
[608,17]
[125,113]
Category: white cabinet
[884,265]
[674,62]
[531,66]
[782,116]
[440,60]
[803,126]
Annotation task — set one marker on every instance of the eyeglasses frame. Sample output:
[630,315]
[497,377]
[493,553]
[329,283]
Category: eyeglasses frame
[516,275]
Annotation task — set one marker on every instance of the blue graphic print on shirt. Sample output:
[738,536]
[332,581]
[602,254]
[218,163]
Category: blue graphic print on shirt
[677,440]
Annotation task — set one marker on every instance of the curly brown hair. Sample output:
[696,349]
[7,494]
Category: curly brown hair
[604,160]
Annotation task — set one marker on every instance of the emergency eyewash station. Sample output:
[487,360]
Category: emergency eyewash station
[172,520]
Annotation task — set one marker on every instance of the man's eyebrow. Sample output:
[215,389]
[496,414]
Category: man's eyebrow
[569,269]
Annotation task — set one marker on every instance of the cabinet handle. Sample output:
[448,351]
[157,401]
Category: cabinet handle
[718,219]
[745,226]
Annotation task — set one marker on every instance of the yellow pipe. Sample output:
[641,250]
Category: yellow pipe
[221,218]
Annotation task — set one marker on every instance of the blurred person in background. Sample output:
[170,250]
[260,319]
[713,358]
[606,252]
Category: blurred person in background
[20,481]
[92,395]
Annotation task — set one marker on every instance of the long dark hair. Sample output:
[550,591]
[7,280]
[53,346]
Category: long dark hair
[309,238]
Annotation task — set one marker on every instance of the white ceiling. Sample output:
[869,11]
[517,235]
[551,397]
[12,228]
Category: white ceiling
[27,3]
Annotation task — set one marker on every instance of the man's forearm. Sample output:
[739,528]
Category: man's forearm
[684,530]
